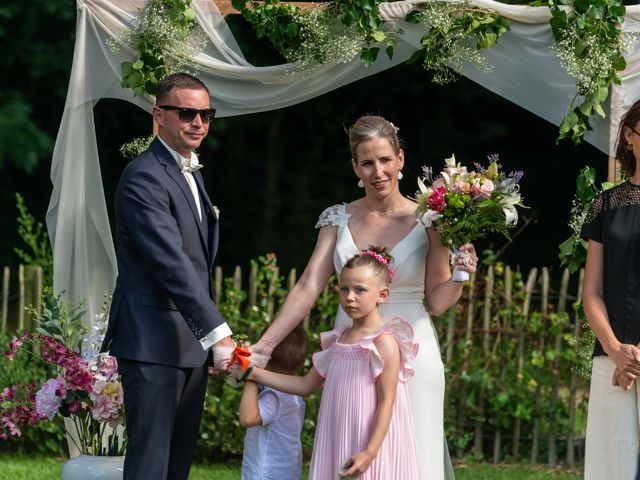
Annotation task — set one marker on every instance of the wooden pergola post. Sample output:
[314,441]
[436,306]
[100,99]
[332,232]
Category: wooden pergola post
[613,174]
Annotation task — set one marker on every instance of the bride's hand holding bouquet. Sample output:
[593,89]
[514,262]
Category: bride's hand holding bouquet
[464,206]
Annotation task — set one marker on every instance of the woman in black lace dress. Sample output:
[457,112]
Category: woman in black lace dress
[611,296]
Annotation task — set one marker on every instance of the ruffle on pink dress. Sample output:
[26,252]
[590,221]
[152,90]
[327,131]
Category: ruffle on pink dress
[349,402]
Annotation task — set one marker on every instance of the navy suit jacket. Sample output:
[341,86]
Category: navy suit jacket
[163,300]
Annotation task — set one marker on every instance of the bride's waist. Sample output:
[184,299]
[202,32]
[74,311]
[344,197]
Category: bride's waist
[405,297]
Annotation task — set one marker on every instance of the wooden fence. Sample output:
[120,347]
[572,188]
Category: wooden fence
[508,347]
[29,293]
[522,330]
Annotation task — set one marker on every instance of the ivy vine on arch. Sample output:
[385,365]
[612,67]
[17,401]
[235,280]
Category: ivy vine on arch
[589,41]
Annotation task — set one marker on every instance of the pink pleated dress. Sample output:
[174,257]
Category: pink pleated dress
[348,406]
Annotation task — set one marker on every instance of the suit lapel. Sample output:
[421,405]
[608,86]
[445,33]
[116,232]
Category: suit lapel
[212,218]
[172,169]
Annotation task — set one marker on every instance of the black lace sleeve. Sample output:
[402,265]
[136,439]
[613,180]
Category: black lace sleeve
[592,226]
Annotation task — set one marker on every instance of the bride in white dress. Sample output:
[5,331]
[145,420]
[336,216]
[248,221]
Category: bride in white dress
[421,266]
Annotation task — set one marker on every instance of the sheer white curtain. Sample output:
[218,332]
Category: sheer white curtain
[524,72]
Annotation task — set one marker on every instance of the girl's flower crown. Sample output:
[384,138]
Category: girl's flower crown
[382,260]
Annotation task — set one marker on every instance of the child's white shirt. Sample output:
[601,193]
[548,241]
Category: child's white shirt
[273,451]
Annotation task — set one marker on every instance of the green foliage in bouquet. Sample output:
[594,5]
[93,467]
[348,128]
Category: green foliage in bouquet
[465,206]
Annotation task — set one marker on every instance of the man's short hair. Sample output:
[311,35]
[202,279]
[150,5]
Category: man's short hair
[178,80]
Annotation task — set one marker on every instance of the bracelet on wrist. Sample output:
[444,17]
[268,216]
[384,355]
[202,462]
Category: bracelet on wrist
[246,374]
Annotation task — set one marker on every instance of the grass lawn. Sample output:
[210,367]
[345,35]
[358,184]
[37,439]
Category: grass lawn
[45,468]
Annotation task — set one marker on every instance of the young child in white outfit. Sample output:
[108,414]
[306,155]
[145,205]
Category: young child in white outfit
[274,420]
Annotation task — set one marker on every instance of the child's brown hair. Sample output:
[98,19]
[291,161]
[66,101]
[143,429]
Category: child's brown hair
[375,257]
[290,354]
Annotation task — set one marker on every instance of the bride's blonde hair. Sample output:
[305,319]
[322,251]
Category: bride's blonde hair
[369,127]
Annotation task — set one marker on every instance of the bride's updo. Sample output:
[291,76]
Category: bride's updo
[369,127]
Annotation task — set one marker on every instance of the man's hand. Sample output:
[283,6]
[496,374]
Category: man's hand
[222,352]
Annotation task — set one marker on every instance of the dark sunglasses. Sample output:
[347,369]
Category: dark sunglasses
[188,114]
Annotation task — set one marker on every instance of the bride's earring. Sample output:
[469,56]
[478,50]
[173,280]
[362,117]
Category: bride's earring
[629,146]
[360,183]
[400,175]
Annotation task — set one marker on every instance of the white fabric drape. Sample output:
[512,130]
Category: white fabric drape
[525,72]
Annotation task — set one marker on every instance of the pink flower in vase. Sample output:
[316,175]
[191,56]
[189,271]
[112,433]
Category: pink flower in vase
[14,346]
[108,366]
[107,398]
[50,397]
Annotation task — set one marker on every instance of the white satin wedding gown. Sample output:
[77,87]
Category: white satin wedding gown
[426,388]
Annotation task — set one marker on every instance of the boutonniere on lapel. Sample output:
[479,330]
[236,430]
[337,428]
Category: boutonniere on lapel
[216,212]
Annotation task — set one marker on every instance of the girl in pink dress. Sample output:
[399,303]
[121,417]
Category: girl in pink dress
[365,427]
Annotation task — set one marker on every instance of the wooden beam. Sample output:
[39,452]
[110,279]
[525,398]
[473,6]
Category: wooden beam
[226,8]
[614,170]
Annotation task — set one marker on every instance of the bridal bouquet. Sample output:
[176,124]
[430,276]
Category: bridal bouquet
[86,389]
[464,206]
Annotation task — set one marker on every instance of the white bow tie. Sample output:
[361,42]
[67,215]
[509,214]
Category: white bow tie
[189,166]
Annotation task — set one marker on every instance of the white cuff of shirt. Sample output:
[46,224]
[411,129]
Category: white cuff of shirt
[215,335]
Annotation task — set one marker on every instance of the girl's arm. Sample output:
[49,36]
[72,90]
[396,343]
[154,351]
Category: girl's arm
[304,293]
[249,415]
[440,290]
[625,356]
[386,387]
[293,384]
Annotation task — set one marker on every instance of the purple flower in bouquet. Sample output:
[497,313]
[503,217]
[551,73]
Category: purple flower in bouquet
[464,206]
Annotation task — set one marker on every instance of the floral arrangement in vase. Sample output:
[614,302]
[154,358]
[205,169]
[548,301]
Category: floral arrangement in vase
[464,206]
[86,389]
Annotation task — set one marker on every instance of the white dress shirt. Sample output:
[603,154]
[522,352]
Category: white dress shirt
[222,330]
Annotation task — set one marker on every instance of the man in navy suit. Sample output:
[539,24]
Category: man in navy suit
[163,317]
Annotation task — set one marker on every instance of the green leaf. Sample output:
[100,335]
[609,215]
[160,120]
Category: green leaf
[569,122]
[599,110]
[601,95]
[488,41]
[586,108]
[389,51]
[190,14]
[368,56]
[618,62]
[378,36]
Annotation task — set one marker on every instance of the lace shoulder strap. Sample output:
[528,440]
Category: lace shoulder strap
[335,215]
